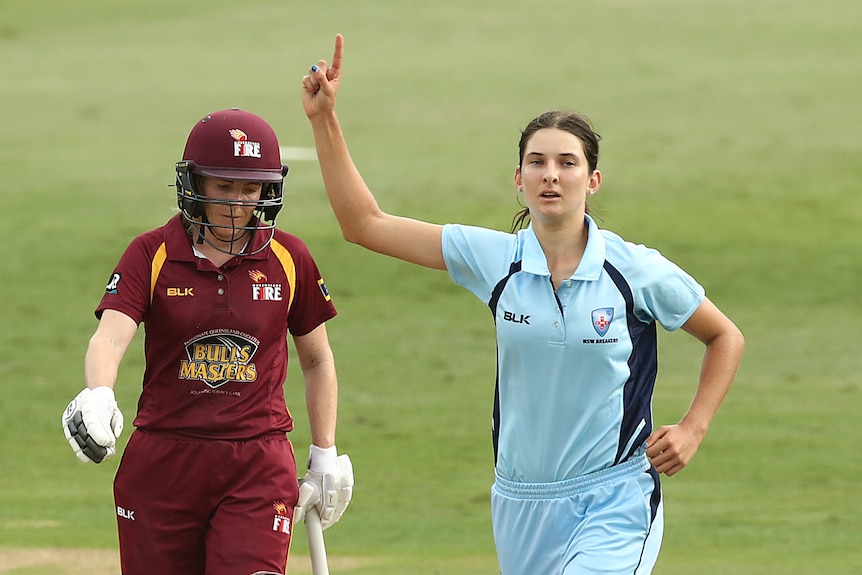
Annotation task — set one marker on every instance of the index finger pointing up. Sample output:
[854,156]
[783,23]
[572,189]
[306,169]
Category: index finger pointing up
[335,69]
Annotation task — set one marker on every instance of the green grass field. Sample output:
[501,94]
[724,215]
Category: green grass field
[731,143]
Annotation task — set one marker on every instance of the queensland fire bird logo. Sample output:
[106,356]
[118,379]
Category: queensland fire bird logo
[261,290]
[219,356]
[257,276]
[242,148]
[281,522]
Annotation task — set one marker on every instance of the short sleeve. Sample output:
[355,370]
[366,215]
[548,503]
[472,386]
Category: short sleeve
[128,287]
[476,258]
[667,293]
[312,304]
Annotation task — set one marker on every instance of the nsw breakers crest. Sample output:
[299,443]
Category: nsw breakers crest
[219,356]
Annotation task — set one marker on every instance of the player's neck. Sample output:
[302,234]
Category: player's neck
[563,249]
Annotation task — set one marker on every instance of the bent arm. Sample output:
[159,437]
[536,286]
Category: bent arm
[321,384]
[670,448]
[107,348]
[724,346]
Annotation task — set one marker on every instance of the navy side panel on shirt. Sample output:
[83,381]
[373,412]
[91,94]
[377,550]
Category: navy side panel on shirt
[643,367]
[495,297]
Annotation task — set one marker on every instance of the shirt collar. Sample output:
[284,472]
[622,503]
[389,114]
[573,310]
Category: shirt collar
[533,259]
[180,245]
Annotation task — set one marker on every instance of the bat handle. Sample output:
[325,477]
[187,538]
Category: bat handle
[316,545]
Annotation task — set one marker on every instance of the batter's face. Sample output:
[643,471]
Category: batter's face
[232,207]
[555,177]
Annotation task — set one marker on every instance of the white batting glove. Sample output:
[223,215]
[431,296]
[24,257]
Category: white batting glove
[92,423]
[328,486]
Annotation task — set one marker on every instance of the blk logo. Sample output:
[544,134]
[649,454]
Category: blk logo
[516,318]
[125,513]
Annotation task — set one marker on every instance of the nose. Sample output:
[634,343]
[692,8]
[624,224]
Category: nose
[238,194]
[550,176]
[235,192]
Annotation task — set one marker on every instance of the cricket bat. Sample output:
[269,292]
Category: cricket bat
[316,545]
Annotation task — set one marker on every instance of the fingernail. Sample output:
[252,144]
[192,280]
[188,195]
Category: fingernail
[314,68]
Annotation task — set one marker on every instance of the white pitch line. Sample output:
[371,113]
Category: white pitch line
[297,154]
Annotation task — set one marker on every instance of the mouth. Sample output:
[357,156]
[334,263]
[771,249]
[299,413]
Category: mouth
[549,194]
[229,225]
[233,216]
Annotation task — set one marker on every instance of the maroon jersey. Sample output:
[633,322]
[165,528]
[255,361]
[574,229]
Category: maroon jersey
[216,338]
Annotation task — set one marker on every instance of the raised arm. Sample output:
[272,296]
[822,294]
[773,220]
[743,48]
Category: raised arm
[360,218]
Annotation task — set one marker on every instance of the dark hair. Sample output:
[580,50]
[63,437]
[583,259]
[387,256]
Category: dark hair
[576,124]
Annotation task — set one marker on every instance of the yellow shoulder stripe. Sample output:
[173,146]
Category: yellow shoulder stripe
[286,260]
[156,267]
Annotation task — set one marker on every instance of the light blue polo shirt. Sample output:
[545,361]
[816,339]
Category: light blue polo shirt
[576,367]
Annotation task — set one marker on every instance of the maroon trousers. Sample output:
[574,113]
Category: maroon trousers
[205,507]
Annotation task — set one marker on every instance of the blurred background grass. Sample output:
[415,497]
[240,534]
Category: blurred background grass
[731,144]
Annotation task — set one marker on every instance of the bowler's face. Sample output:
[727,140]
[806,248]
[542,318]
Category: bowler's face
[555,176]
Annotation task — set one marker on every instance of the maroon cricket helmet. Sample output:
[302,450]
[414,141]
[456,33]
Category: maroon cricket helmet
[234,145]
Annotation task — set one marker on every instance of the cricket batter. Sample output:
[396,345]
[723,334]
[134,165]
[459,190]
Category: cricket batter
[575,309]
[207,484]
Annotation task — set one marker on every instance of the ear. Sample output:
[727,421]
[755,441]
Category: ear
[518,183]
[594,183]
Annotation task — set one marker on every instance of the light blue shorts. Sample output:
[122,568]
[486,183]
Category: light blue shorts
[610,521]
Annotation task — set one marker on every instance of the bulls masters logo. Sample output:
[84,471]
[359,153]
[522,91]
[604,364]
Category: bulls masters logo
[219,356]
